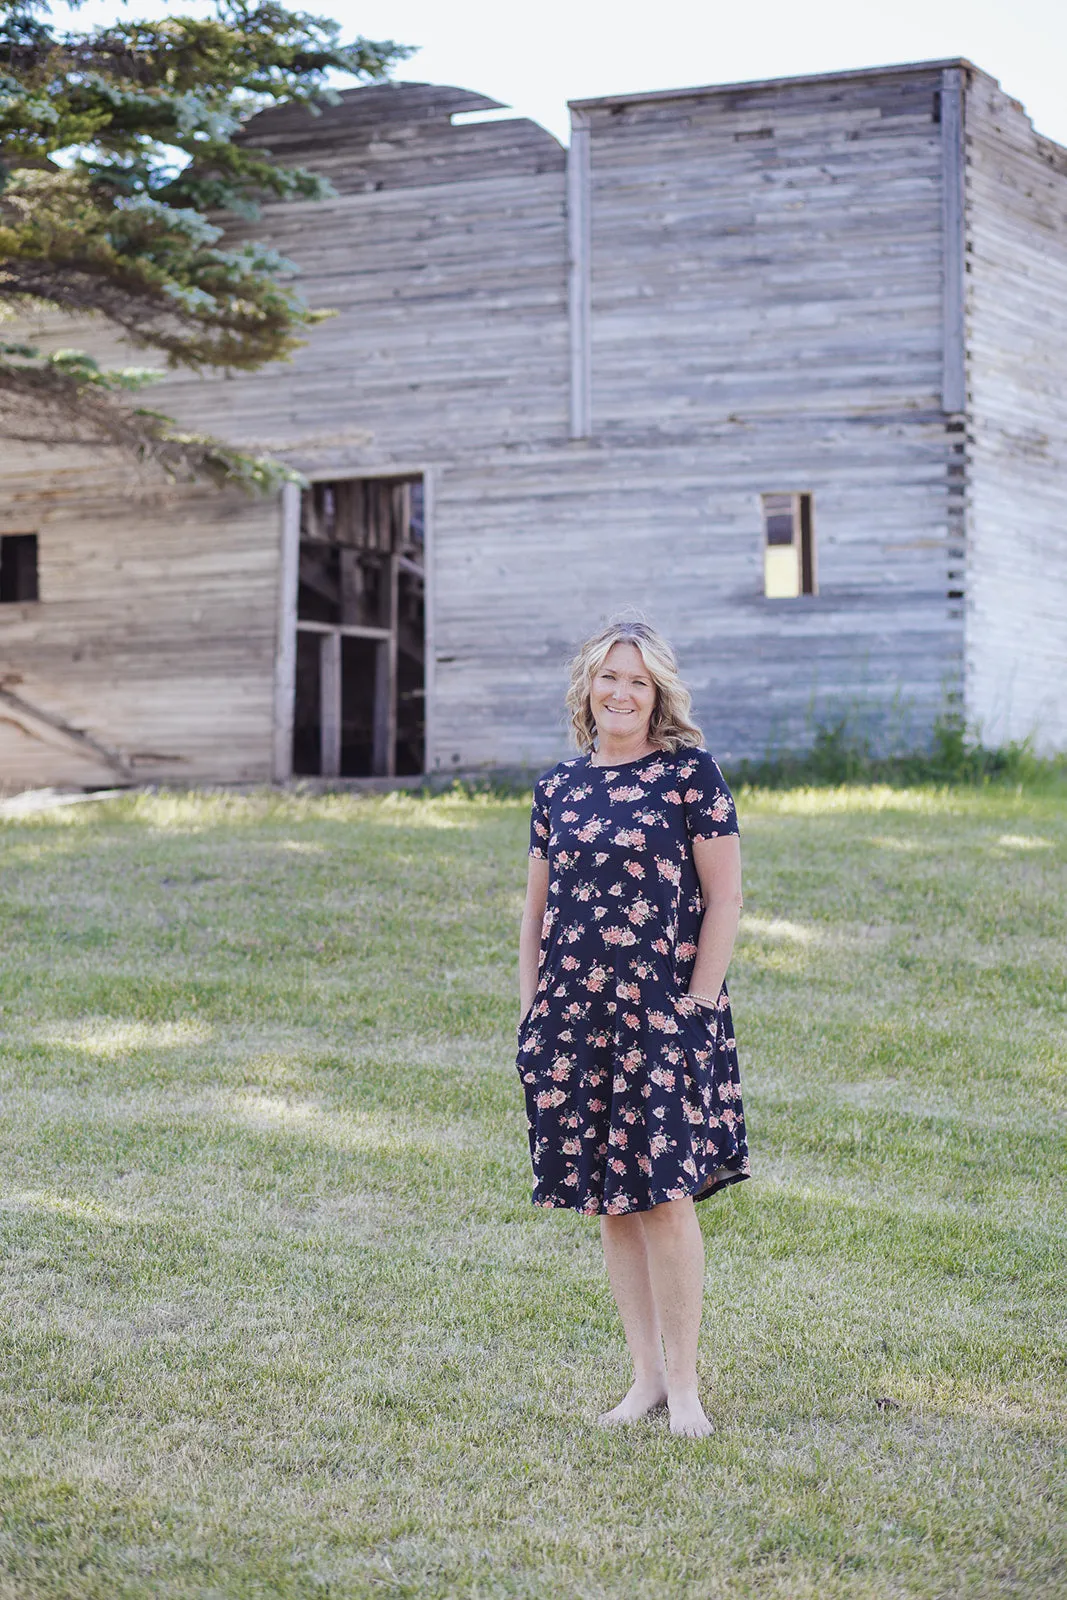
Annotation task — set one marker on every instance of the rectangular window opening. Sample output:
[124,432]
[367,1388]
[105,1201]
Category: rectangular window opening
[361,661]
[18,568]
[788,546]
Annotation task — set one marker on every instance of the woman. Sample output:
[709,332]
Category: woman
[626,1048]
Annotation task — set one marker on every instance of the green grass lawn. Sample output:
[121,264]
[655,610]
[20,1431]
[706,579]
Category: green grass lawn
[278,1318]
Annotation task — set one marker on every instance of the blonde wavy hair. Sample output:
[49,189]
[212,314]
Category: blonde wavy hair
[671,726]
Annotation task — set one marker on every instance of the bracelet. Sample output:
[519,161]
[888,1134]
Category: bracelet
[703,1000]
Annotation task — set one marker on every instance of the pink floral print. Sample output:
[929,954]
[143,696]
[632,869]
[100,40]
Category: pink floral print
[633,1094]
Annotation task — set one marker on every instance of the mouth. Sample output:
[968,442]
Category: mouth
[620,711]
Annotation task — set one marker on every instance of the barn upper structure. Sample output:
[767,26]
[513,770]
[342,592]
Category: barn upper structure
[781,364]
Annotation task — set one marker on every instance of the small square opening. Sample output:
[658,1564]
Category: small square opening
[788,546]
[18,568]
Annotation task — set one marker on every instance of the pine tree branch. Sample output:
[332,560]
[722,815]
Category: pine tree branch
[142,117]
[67,399]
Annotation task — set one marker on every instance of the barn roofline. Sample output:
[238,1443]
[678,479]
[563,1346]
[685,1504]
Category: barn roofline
[702,91]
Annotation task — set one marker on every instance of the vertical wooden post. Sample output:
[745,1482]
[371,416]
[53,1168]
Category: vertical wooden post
[394,651]
[380,752]
[809,572]
[385,686]
[351,577]
[285,644]
[953,201]
[579,280]
[429,751]
[330,705]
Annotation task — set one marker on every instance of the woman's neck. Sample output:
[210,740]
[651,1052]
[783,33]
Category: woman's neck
[611,752]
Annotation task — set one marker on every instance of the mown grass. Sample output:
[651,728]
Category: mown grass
[279,1320]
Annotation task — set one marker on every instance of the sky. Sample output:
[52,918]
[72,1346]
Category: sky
[535,56]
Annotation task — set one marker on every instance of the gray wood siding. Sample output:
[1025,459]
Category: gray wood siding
[394,136]
[444,256]
[449,355]
[154,631]
[766,292]
[767,315]
[743,239]
[450,334]
[1016,681]
[692,560]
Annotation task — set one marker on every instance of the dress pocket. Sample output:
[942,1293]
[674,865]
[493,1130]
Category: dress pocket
[686,1008]
[703,1025]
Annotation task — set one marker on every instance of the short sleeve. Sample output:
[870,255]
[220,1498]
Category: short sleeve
[540,823]
[710,812]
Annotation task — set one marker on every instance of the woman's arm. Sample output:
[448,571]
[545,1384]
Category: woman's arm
[533,915]
[718,864]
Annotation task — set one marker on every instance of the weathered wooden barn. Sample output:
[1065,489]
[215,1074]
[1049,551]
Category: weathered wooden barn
[784,364]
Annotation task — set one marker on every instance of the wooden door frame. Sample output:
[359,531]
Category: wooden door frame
[288,585]
[285,643]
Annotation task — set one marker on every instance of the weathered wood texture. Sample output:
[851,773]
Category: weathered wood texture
[765,314]
[450,336]
[579,287]
[158,622]
[1016,677]
[285,643]
[154,632]
[401,136]
[953,187]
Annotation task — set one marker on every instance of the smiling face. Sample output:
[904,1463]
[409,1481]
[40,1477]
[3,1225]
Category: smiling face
[623,696]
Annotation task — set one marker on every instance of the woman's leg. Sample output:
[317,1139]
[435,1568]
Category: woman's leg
[626,1258]
[675,1256]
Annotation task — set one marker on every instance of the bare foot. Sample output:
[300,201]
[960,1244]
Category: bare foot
[688,1417]
[639,1400]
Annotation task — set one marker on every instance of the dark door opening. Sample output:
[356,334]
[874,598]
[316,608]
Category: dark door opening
[361,615]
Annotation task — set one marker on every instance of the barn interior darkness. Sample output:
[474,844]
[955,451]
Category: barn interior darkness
[360,699]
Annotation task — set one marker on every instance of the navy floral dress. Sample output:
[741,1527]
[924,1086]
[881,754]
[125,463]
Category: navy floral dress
[632,1093]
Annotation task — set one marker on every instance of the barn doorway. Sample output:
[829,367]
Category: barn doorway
[360,703]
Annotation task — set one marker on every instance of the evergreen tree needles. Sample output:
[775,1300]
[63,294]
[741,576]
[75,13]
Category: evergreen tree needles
[120,149]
